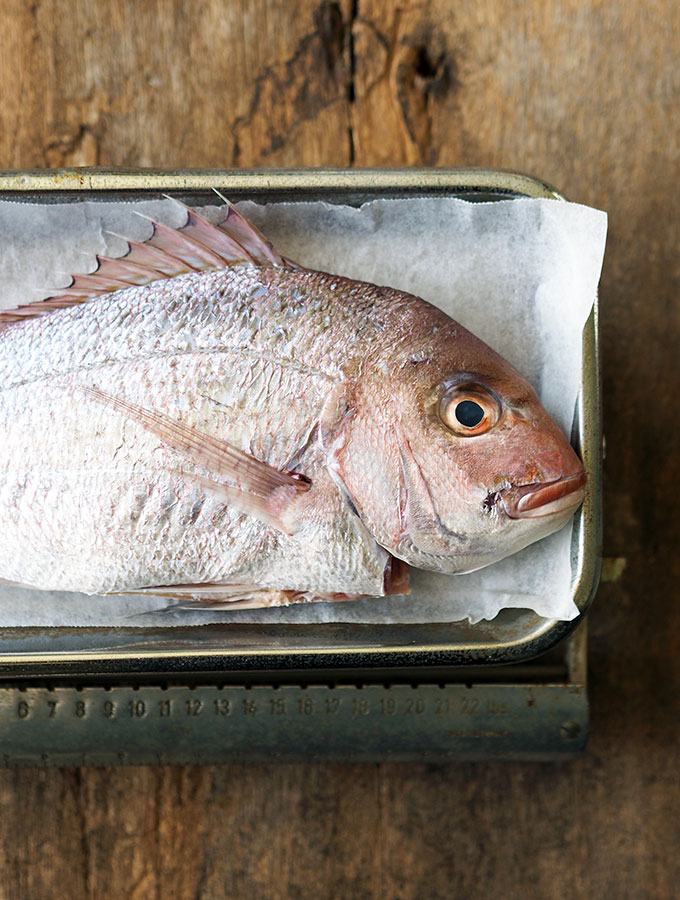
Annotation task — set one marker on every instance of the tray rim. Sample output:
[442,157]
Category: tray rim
[101,181]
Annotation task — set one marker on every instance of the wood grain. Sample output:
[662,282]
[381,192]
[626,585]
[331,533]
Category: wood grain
[584,95]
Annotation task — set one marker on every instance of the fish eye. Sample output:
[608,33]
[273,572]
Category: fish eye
[469,413]
[469,410]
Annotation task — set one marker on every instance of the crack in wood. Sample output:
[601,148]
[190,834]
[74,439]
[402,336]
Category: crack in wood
[351,83]
[315,77]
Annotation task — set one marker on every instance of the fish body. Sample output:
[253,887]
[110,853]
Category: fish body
[255,429]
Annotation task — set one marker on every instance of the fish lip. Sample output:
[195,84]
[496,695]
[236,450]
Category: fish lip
[545,498]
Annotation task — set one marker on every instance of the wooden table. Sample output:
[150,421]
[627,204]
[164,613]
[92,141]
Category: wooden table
[584,95]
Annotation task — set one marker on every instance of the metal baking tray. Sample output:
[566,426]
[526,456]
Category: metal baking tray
[513,636]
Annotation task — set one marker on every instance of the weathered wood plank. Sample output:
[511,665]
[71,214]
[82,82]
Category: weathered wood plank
[174,84]
[583,95]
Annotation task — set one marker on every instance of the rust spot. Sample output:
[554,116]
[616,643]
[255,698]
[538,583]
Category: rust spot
[613,568]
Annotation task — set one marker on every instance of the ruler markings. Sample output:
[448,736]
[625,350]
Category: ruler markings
[40,726]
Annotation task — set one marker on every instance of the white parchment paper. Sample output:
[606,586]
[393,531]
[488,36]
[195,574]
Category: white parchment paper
[521,274]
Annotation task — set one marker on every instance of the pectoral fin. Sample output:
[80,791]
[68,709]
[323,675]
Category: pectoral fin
[239,479]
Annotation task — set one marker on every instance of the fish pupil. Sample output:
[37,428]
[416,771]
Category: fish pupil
[469,413]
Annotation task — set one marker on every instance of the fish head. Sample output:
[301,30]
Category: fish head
[448,455]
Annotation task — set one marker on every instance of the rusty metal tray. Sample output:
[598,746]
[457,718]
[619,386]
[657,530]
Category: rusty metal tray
[513,636]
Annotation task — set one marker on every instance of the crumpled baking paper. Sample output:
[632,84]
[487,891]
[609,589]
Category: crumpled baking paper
[521,274]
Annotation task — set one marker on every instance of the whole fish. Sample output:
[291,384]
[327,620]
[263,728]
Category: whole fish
[206,420]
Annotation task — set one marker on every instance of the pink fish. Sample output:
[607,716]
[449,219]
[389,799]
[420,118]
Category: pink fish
[206,420]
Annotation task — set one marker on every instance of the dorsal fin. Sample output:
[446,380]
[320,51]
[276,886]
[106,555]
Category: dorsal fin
[197,245]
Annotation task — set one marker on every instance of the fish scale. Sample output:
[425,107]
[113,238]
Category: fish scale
[259,428]
[151,363]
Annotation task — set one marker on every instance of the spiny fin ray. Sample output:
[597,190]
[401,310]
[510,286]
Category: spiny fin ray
[195,246]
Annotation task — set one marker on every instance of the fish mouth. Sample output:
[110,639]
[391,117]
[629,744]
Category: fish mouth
[533,501]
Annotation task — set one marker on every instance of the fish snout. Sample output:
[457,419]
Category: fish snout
[533,501]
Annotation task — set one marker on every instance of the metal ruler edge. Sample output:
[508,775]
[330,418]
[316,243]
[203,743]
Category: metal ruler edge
[183,724]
